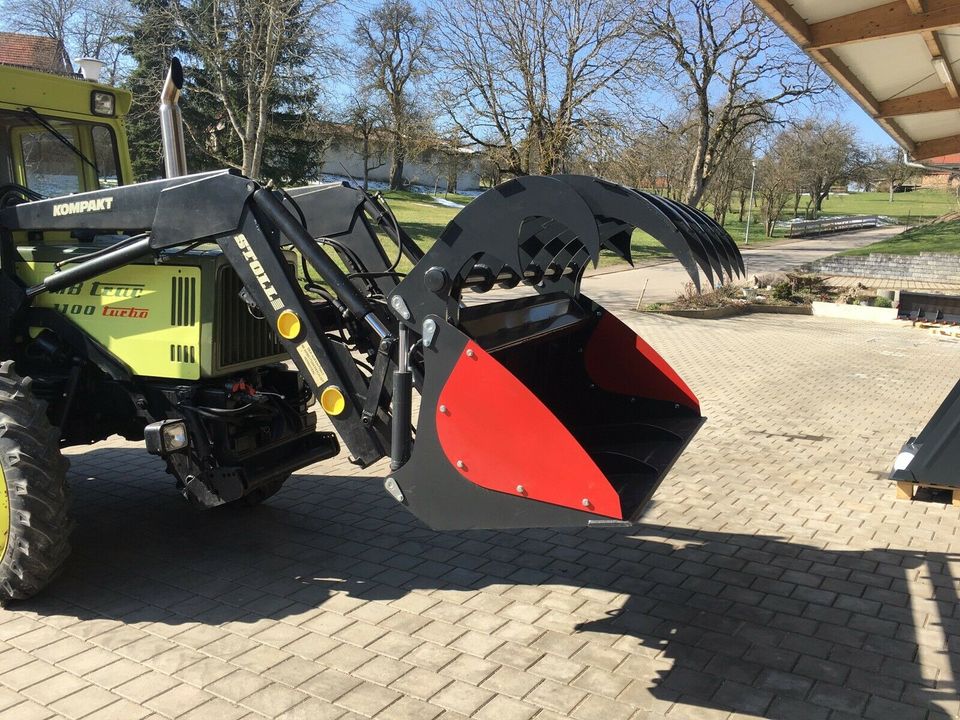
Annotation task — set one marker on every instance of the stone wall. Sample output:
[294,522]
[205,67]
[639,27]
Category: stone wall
[925,267]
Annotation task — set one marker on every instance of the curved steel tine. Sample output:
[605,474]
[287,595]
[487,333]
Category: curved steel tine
[720,237]
[718,245]
[616,237]
[701,247]
[730,243]
[615,202]
[553,238]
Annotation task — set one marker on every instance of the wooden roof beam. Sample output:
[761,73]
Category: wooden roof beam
[937,147]
[789,20]
[925,102]
[937,53]
[888,20]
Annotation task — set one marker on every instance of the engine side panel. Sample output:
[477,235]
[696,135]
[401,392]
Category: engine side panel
[148,316]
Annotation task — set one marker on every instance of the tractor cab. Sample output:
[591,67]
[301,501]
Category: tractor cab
[59,135]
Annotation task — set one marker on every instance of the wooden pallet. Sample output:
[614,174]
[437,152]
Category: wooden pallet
[906,491]
[936,328]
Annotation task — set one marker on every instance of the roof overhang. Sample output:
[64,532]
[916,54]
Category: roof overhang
[900,61]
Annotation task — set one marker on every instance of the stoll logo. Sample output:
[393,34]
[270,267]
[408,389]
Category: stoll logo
[126,312]
[82,206]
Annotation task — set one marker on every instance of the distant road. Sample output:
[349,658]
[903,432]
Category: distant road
[620,290]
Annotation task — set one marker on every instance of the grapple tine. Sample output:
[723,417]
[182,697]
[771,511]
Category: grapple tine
[616,202]
[706,231]
[720,232]
[701,247]
[615,237]
[549,244]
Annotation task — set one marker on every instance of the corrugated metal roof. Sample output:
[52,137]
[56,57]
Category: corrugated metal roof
[900,61]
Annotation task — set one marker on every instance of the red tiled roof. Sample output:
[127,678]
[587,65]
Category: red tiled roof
[31,51]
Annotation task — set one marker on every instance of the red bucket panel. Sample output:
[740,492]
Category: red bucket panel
[620,361]
[501,437]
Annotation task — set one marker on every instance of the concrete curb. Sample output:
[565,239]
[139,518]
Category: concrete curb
[854,312]
[732,310]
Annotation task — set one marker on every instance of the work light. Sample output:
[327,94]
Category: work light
[102,103]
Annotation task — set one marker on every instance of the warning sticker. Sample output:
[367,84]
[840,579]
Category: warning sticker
[312,363]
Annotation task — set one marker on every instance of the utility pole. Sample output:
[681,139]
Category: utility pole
[753,178]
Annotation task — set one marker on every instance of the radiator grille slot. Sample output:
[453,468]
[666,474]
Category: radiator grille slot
[241,337]
[183,354]
[183,303]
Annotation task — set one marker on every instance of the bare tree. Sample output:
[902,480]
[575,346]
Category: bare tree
[732,69]
[95,34]
[522,78]
[888,165]
[393,37]
[86,28]
[830,154]
[733,174]
[50,18]
[367,126]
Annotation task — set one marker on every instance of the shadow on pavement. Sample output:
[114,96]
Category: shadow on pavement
[736,622]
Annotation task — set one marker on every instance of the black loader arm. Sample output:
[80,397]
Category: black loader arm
[251,226]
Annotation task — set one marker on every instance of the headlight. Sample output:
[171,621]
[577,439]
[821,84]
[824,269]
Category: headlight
[102,103]
[165,437]
[174,436]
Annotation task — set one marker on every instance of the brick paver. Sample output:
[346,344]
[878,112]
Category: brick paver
[774,574]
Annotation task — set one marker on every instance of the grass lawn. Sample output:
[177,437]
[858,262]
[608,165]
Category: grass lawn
[910,207]
[941,237]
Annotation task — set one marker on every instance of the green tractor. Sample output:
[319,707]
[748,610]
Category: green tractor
[212,317]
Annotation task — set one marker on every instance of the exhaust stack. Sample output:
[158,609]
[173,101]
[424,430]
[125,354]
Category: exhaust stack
[171,124]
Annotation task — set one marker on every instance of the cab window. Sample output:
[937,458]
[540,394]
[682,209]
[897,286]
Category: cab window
[37,158]
[105,153]
[50,167]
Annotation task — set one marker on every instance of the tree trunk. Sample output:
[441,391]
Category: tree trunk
[396,173]
[396,163]
[695,181]
[366,163]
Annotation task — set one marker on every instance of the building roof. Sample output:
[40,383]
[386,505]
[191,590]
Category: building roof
[900,61]
[34,52]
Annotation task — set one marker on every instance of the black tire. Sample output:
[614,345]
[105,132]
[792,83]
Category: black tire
[264,492]
[34,497]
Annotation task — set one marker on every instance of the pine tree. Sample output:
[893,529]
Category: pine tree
[150,42]
[294,142]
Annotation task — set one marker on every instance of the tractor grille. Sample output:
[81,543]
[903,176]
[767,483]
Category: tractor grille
[240,337]
[183,302]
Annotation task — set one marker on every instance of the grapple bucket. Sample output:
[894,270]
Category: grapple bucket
[544,409]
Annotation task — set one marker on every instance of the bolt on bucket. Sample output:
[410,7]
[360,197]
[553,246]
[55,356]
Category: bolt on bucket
[544,410]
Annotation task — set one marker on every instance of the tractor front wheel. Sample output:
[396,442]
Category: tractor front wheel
[258,495]
[34,498]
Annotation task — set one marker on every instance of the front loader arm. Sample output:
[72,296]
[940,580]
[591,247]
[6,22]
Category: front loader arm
[250,225]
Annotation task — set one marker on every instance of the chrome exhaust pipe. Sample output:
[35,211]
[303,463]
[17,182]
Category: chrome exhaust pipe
[171,124]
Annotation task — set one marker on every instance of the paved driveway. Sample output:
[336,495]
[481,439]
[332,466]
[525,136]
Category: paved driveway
[620,290]
[774,576]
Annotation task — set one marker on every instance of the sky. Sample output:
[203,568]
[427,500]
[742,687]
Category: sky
[868,130]
[843,107]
